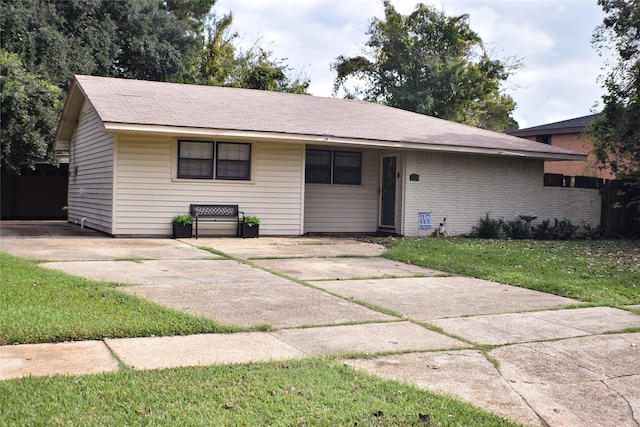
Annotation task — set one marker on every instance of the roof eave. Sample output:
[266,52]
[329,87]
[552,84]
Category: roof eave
[69,118]
[541,132]
[233,134]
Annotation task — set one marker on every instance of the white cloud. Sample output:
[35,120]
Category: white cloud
[552,37]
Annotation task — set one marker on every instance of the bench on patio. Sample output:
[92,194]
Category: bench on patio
[216,213]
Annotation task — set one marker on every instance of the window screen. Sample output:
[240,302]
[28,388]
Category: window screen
[234,161]
[333,167]
[347,167]
[318,167]
[195,159]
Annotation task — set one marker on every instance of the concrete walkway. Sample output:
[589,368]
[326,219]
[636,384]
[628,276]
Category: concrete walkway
[556,366]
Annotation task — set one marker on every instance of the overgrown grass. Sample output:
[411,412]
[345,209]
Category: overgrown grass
[597,271]
[296,393]
[39,305]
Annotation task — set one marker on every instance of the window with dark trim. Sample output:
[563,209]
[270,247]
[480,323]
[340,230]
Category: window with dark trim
[545,139]
[204,160]
[233,161]
[333,167]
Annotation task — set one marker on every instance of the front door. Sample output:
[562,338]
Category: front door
[388,193]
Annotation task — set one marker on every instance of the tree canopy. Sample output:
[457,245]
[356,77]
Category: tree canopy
[130,39]
[221,63]
[431,64]
[29,108]
[616,132]
[46,42]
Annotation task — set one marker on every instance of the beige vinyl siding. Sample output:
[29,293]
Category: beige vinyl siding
[149,194]
[345,208]
[463,188]
[91,158]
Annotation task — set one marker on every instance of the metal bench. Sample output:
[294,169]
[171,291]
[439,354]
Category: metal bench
[216,213]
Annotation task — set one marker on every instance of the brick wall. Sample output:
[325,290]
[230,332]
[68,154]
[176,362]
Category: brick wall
[463,188]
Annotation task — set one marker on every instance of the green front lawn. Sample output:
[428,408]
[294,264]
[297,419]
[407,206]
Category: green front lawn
[312,392]
[603,272]
[40,305]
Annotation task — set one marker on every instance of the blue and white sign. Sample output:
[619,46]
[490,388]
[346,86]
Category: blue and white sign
[424,220]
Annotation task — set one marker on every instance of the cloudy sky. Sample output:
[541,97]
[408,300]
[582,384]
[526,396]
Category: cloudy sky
[552,38]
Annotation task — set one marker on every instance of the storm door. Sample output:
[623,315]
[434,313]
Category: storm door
[388,192]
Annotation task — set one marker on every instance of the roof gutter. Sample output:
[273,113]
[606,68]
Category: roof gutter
[191,132]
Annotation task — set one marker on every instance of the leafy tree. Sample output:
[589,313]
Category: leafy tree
[616,132]
[52,40]
[48,41]
[432,64]
[192,11]
[217,58]
[152,44]
[29,108]
[222,64]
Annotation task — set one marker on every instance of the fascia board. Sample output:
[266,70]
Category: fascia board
[189,132]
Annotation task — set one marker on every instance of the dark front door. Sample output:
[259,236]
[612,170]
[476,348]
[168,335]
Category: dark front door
[388,198]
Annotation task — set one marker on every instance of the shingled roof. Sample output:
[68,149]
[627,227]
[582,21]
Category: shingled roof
[206,111]
[576,125]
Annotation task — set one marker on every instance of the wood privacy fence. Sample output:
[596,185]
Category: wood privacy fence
[620,209]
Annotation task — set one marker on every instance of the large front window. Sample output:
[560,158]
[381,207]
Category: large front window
[333,167]
[206,160]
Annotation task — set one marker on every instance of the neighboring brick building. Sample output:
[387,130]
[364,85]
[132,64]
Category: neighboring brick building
[569,134]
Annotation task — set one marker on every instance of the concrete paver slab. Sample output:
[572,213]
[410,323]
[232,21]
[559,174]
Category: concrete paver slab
[430,298]
[166,272]
[595,320]
[367,338]
[510,328]
[593,358]
[276,303]
[465,374]
[67,358]
[283,247]
[100,248]
[574,406]
[194,350]
[579,381]
[343,268]
[628,387]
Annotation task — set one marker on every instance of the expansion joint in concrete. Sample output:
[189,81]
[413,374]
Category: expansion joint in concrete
[630,406]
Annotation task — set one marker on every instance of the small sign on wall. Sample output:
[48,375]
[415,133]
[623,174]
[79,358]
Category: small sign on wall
[424,220]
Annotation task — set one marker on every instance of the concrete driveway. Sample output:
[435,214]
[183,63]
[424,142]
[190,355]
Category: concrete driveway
[555,365]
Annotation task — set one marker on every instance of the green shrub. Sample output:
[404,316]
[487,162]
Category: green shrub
[591,233]
[544,231]
[517,229]
[251,220]
[561,230]
[184,219]
[564,229]
[488,228]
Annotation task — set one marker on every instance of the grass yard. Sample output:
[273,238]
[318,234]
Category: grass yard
[603,272]
[319,392]
[39,305]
